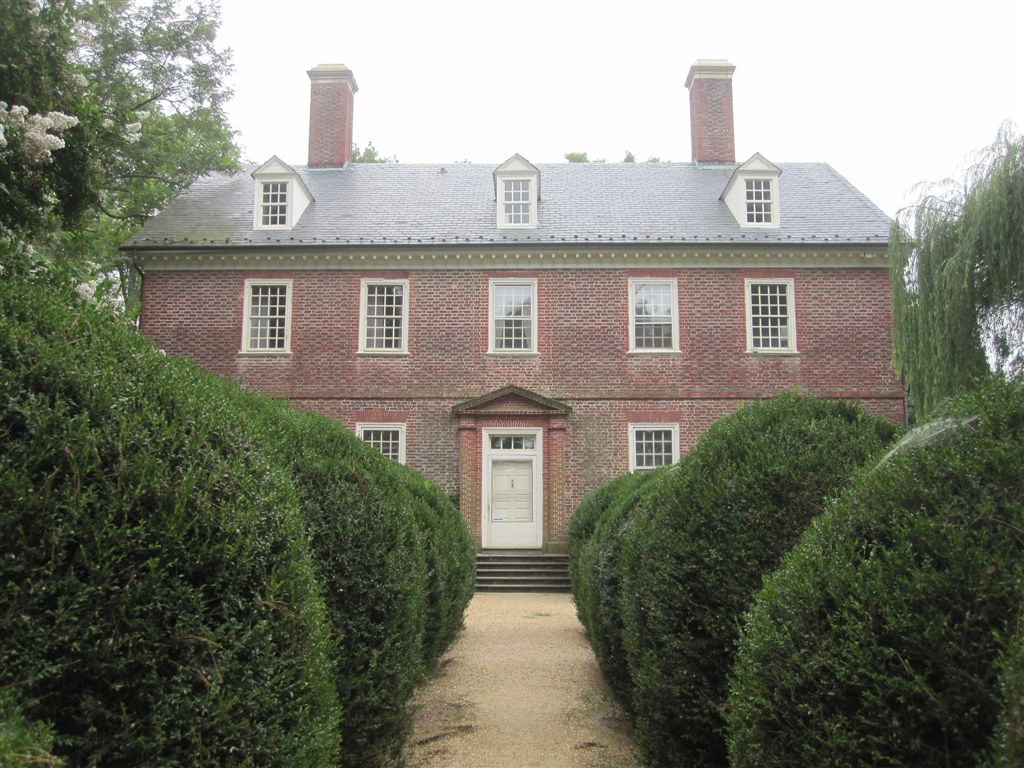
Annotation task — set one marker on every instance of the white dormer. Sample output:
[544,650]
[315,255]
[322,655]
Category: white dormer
[516,192]
[281,196]
[752,193]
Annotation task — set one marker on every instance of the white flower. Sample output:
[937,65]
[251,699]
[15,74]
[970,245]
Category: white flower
[60,122]
[133,132]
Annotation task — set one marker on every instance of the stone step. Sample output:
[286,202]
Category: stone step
[518,571]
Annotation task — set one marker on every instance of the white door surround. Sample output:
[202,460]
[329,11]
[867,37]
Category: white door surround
[512,492]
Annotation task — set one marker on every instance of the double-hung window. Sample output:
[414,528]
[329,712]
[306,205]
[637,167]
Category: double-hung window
[653,315]
[273,204]
[513,316]
[518,202]
[652,446]
[389,439]
[771,317]
[267,322]
[384,316]
[758,198]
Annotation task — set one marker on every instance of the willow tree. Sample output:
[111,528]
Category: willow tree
[957,260]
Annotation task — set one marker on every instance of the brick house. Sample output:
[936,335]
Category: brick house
[523,333]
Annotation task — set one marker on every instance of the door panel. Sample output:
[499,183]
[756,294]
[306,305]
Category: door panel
[513,520]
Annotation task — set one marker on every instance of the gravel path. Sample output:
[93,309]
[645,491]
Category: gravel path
[520,687]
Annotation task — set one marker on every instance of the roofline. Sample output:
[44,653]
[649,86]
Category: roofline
[489,257]
[789,243]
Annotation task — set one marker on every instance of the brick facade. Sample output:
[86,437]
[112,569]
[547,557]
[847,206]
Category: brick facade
[712,137]
[844,339]
[332,88]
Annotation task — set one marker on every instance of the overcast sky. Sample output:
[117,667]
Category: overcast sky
[889,93]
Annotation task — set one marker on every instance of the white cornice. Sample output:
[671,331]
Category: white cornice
[524,258]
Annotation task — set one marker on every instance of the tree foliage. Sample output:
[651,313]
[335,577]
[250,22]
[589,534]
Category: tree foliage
[370,154]
[145,81]
[957,260]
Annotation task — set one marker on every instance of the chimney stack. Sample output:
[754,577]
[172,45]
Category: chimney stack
[711,132]
[331,91]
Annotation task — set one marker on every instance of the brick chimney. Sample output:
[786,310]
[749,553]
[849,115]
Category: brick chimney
[711,133]
[331,91]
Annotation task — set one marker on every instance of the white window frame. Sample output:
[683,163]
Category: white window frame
[290,202]
[397,426]
[247,317]
[500,194]
[791,319]
[773,191]
[634,428]
[636,282]
[495,283]
[364,284]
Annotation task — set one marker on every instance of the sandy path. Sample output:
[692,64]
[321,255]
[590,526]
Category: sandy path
[519,688]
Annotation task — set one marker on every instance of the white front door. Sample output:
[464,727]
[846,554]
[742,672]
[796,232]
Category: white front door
[512,499]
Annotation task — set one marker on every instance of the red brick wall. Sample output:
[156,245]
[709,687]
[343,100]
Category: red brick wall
[711,124]
[844,338]
[331,105]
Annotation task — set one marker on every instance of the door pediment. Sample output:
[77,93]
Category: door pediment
[511,400]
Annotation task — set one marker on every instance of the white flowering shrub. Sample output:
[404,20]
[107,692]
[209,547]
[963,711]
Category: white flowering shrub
[27,143]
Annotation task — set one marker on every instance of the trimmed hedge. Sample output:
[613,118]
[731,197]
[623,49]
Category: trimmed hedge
[197,575]
[450,559]
[595,532]
[701,540]
[159,605]
[883,637]
[396,562]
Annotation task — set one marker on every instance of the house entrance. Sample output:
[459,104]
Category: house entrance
[512,494]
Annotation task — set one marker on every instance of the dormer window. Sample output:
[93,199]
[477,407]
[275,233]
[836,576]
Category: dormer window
[759,201]
[752,193]
[516,192]
[281,197]
[274,204]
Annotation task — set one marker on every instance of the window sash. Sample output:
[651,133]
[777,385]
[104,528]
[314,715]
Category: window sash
[759,201]
[517,201]
[653,446]
[513,317]
[267,315]
[653,316]
[274,204]
[384,318]
[771,316]
[388,439]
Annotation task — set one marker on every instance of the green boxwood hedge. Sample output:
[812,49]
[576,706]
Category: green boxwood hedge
[159,605]
[595,531]
[198,575]
[396,562]
[886,637]
[701,540]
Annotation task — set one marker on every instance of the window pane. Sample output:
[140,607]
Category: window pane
[513,317]
[769,316]
[268,307]
[517,201]
[652,448]
[387,441]
[512,442]
[652,316]
[759,201]
[274,204]
[384,310]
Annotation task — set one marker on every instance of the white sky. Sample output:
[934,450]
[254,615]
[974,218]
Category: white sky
[889,93]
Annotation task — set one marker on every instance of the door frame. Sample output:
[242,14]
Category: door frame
[536,457]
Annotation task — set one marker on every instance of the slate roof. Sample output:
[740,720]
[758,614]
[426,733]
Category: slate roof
[392,204]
